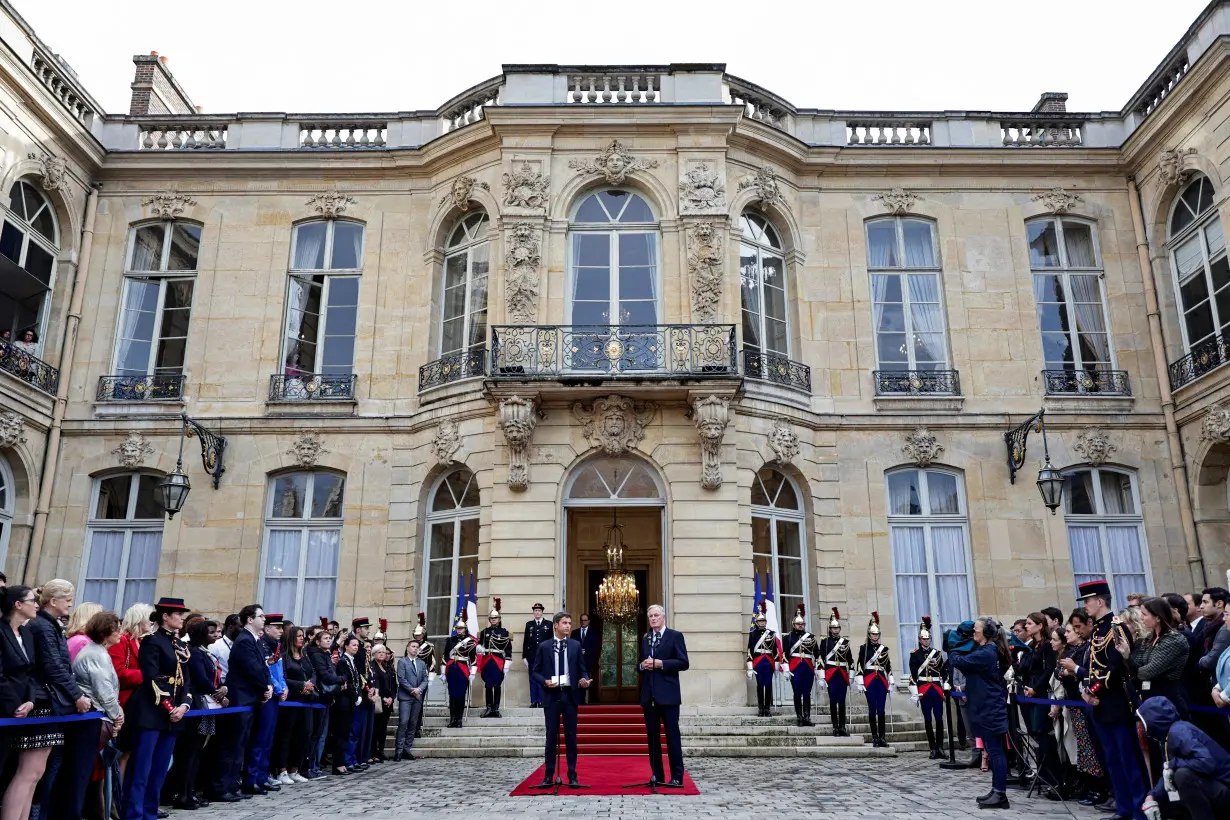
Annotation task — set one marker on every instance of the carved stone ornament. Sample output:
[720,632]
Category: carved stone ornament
[613,165]
[1216,424]
[517,419]
[702,191]
[705,266]
[783,441]
[522,262]
[462,191]
[711,417]
[1174,166]
[898,200]
[447,442]
[52,169]
[1057,200]
[921,447]
[1094,446]
[12,430]
[614,424]
[307,449]
[133,451]
[764,181]
[169,204]
[331,204]
[526,188]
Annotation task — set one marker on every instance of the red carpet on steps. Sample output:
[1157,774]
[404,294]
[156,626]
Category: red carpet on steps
[605,775]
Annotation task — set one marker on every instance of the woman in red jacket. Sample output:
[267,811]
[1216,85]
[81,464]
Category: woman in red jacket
[136,626]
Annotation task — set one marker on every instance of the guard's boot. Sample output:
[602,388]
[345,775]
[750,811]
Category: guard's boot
[798,710]
[487,702]
[883,732]
[939,740]
[841,719]
[807,711]
[834,721]
[496,693]
[759,700]
[930,738]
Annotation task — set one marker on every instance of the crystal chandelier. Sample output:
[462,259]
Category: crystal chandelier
[617,594]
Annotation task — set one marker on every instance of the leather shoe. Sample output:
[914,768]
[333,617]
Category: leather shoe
[397,757]
[998,800]
[986,797]
[341,771]
[572,781]
[676,783]
[546,784]
[184,805]
[162,815]
[254,791]
[229,797]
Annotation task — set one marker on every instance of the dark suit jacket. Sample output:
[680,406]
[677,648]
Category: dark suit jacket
[17,683]
[535,633]
[663,684]
[247,674]
[590,646]
[543,669]
[53,668]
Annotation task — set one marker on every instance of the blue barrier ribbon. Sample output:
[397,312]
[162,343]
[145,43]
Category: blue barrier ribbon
[32,721]
[1074,704]
[93,715]
[231,710]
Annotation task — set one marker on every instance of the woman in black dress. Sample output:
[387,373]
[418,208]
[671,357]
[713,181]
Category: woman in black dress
[1037,668]
[290,748]
[344,704]
[384,680]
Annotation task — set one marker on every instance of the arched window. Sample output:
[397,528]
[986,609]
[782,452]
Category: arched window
[29,241]
[1106,532]
[779,545]
[609,478]
[123,541]
[303,542]
[1201,269]
[928,528]
[762,276]
[451,549]
[908,311]
[7,500]
[463,320]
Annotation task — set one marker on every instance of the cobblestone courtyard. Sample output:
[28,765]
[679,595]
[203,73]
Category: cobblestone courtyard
[910,786]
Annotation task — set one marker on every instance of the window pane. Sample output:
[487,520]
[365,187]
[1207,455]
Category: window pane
[788,544]
[942,488]
[101,592]
[323,549]
[39,263]
[185,247]
[442,540]
[637,210]
[882,244]
[787,499]
[113,493]
[919,243]
[1078,237]
[903,494]
[147,247]
[1078,491]
[1188,258]
[106,550]
[468,548]
[1215,238]
[438,613]
[319,597]
[1199,323]
[1043,244]
[891,348]
[762,539]
[310,246]
[143,554]
[347,245]
[1117,494]
[592,250]
[148,505]
[327,490]
[634,283]
[11,239]
[636,249]
[136,330]
[591,211]
[789,581]
[289,494]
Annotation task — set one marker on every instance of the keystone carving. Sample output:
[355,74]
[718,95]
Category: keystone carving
[613,164]
[522,262]
[331,204]
[711,417]
[526,188]
[705,266]
[52,169]
[921,447]
[517,419]
[1057,200]
[12,430]
[897,200]
[133,451]
[1176,166]
[764,183]
[462,191]
[614,424]
[447,442]
[783,441]
[1094,446]
[1216,424]
[702,191]
[307,449]
[169,204]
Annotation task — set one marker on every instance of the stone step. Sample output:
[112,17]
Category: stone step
[535,752]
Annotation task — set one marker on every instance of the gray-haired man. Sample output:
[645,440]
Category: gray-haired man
[411,687]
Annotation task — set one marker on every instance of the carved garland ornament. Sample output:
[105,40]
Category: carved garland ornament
[526,188]
[307,449]
[764,181]
[711,417]
[447,442]
[517,419]
[1094,446]
[921,447]
[169,204]
[613,164]
[133,451]
[705,266]
[614,424]
[331,204]
[783,441]
[462,191]
[898,200]
[1174,166]
[522,262]
[1216,424]
[52,169]
[1057,200]
[12,430]
[702,191]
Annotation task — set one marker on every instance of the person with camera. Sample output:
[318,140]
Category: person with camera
[1196,771]
[987,702]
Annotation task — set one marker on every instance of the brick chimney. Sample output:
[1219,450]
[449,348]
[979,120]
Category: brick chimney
[154,90]
[1051,102]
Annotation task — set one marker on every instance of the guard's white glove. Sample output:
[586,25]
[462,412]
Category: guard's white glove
[788,674]
[947,686]
[1151,809]
[914,693]
[892,682]
[526,661]
[750,674]
[480,650]
[914,699]
[862,689]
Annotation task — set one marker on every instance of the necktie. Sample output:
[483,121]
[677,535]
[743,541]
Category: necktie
[653,644]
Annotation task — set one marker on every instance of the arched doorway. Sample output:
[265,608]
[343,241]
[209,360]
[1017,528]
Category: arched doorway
[600,492]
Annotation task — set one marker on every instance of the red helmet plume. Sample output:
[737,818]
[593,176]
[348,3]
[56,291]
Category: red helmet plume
[324,622]
[422,619]
[384,625]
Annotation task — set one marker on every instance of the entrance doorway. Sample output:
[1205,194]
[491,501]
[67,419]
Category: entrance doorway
[615,670]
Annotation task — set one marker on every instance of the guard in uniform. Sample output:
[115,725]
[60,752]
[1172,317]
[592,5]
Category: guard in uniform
[838,659]
[928,682]
[764,653]
[427,654]
[536,631]
[495,651]
[875,679]
[802,652]
[459,668]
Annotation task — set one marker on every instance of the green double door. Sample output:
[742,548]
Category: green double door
[616,673]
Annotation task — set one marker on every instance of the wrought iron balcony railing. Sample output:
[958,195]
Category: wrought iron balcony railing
[29,368]
[311,387]
[454,367]
[1095,381]
[604,351]
[916,382]
[777,369]
[158,387]
[1205,356]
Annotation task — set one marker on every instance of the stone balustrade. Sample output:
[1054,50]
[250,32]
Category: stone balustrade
[614,87]
[64,90]
[1035,131]
[344,134]
[179,135]
[888,132]
[1162,83]
[757,103]
[468,107]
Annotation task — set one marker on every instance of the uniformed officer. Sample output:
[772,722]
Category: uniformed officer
[495,651]
[427,654]
[875,679]
[536,631]
[802,652]
[928,681]
[459,668]
[764,653]
[838,659]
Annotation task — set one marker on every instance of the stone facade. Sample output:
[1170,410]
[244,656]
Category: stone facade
[412,416]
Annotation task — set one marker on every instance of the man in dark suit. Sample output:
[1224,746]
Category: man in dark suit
[248,683]
[591,645]
[664,655]
[536,631]
[557,669]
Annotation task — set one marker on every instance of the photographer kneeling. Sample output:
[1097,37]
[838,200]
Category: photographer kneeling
[987,702]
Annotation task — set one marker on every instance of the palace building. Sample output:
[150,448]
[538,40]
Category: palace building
[774,344]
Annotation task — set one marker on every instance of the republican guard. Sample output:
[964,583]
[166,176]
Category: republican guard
[459,669]
[495,651]
[838,660]
[928,682]
[764,653]
[802,652]
[875,679]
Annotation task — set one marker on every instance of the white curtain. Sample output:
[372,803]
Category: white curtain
[1086,548]
[147,248]
[144,552]
[103,568]
[1217,239]
[882,244]
[1079,241]
[309,246]
[919,244]
[1126,561]
[910,569]
[903,493]
[136,331]
[951,575]
[320,575]
[1188,257]
[926,317]
[296,306]
[879,290]
[282,570]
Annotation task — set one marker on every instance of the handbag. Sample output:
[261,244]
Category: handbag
[106,732]
[329,688]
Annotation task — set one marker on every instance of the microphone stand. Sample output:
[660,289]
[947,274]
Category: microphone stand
[652,784]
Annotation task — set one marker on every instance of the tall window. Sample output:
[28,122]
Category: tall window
[464,319]
[928,528]
[1198,258]
[158,284]
[762,274]
[322,303]
[452,547]
[28,246]
[778,544]
[1063,255]
[1106,532]
[614,261]
[7,491]
[303,542]
[905,294]
[123,541]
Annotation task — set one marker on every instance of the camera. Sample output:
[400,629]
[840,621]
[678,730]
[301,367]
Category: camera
[959,641]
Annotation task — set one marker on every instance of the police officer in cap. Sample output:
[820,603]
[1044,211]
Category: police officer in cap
[536,631]
[838,660]
[495,651]
[802,652]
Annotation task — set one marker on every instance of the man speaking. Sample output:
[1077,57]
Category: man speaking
[557,669]
[664,655]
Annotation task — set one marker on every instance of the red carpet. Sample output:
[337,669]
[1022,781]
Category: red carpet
[605,774]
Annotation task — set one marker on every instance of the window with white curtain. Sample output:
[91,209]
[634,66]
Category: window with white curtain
[1071,304]
[123,541]
[303,543]
[28,247]
[7,491]
[778,542]
[907,304]
[1106,532]
[451,550]
[158,281]
[928,529]
[762,276]
[1198,259]
[463,321]
[322,302]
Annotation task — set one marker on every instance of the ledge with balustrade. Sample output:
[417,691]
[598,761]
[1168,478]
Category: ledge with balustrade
[1088,382]
[159,387]
[464,364]
[311,388]
[28,368]
[777,369]
[1204,357]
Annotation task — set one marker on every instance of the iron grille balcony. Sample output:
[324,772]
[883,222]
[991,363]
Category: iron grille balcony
[158,387]
[1205,356]
[311,387]
[29,368]
[622,351]
[453,367]
[777,369]
[1087,381]
[916,382]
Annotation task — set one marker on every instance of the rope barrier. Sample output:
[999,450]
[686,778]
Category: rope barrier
[96,715]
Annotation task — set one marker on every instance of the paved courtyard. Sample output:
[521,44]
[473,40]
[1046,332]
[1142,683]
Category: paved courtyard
[910,786]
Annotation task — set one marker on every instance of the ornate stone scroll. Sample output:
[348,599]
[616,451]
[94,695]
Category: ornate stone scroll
[614,424]
[517,419]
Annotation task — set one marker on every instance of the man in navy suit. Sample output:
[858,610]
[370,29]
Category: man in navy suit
[664,655]
[248,683]
[591,646]
[557,669]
